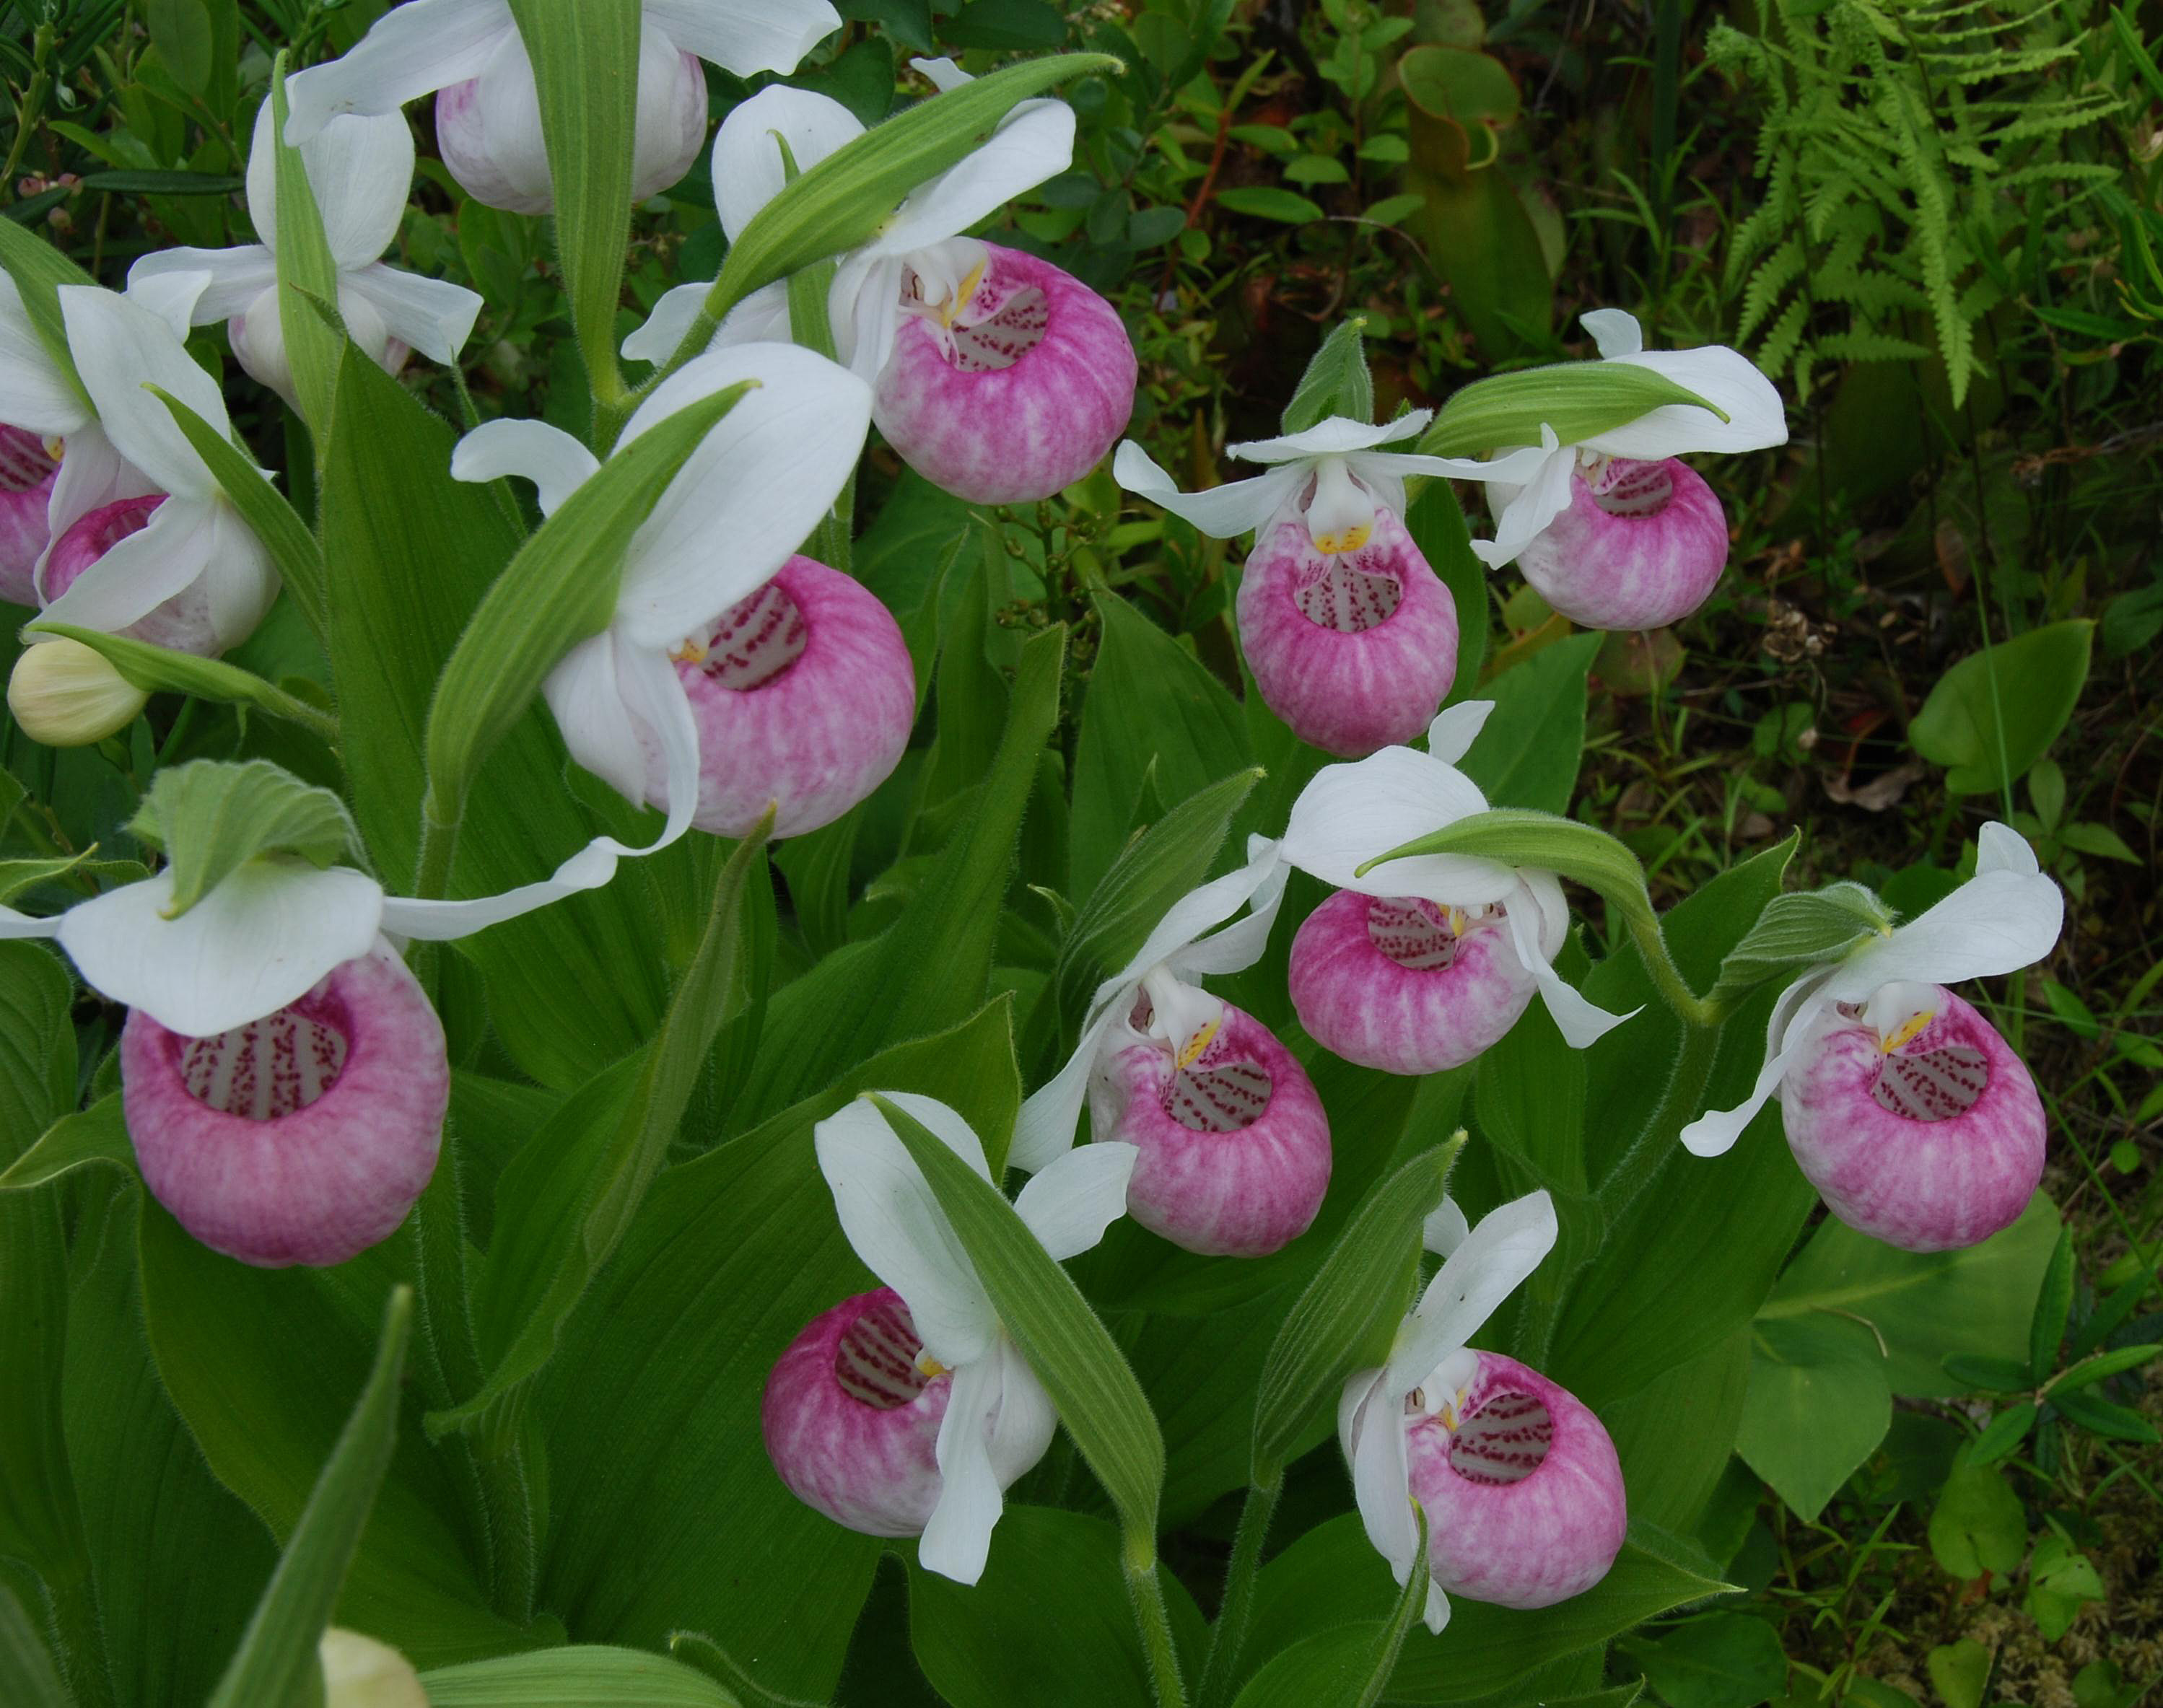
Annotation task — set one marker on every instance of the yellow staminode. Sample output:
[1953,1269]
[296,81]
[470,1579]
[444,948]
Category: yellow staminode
[1200,1041]
[1341,540]
[1909,1028]
[692,651]
[930,1366]
[964,294]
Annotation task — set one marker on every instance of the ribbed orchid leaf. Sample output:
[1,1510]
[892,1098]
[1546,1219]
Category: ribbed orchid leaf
[1579,400]
[211,815]
[160,670]
[583,1676]
[275,1666]
[1802,928]
[1561,846]
[307,275]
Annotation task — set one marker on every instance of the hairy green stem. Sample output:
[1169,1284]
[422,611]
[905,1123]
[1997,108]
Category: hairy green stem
[1227,1636]
[82,1638]
[1155,1623]
[1652,942]
[439,844]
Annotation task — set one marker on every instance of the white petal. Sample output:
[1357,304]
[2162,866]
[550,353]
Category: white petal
[236,277]
[261,938]
[748,172]
[1526,512]
[1450,736]
[1194,913]
[441,921]
[744,36]
[1714,1133]
[2001,848]
[433,315]
[668,325]
[13,924]
[1723,377]
[1033,143]
[1333,437]
[1614,331]
[1238,945]
[556,463]
[1027,1419]
[1222,512]
[1387,469]
[239,580]
[888,1212]
[411,51]
[120,347]
[1370,1428]
[140,573]
[37,395]
[1351,813]
[1044,1129]
[657,698]
[2000,921]
[863,305]
[1488,1266]
[1077,1196]
[587,698]
[958,1535]
[1445,1230]
[945,76]
[1581,1022]
[752,491]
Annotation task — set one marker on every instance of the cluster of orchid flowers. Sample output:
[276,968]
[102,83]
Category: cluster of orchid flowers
[285,1077]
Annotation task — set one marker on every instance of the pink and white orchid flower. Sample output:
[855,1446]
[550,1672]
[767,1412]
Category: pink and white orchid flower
[361,170]
[1613,532]
[143,541]
[283,1076]
[29,464]
[1350,635]
[488,117]
[636,704]
[1449,948]
[1233,1141]
[1520,1483]
[909,1410]
[1903,1105]
[998,376]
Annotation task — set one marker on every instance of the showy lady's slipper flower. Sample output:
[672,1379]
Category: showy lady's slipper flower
[361,170]
[1520,1483]
[909,1411]
[1613,532]
[144,542]
[1233,1142]
[735,674]
[29,464]
[1350,635]
[1903,1107]
[283,1076]
[998,376]
[488,117]
[1426,962]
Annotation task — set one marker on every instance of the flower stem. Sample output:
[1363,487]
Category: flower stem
[439,843]
[1147,1594]
[1228,1637]
[1652,942]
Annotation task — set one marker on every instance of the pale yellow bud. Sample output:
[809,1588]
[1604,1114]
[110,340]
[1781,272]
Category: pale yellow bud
[67,695]
[359,1672]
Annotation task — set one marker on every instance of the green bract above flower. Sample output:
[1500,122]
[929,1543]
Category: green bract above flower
[2006,917]
[919,264]
[747,497]
[1533,483]
[894,1221]
[1349,815]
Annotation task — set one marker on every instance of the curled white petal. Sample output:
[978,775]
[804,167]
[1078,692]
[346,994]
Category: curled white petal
[1045,1129]
[1450,736]
[39,396]
[139,573]
[1488,1265]
[745,36]
[1614,331]
[1528,510]
[1222,512]
[235,277]
[120,348]
[433,315]
[413,50]
[1349,814]
[957,1537]
[748,169]
[668,326]
[556,463]
[1332,437]
[1581,1022]
[1075,1198]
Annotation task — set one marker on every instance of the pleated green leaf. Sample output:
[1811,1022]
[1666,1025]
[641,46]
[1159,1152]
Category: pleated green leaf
[585,1675]
[307,277]
[1579,400]
[160,670]
[211,816]
[276,1666]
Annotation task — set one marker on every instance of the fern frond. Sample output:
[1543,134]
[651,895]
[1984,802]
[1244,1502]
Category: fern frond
[1778,270]
[1864,346]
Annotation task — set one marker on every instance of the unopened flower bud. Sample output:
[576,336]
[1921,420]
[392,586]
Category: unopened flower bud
[65,695]
[359,1672]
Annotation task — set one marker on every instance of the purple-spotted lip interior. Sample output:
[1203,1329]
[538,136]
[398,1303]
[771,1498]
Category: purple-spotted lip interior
[275,1066]
[94,534]
[1622,487]
[1502,1439]
[755,640]
[1414,933]
[875,1361]
[25,464]
[1939,1082]
[1351,592]
[1220,1091]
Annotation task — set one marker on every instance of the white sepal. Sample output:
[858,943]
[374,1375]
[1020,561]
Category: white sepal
[1537,933]
[748,169]
[745,36]
[894,1222]
[957,1537]
[121,347]
[556,463]
[262,938]
[38,396]
[1726,379]
[1353,813]
[1488,1265]
[1455,728]
[237,277]
[432,315]
[413,50]
[1332,437]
